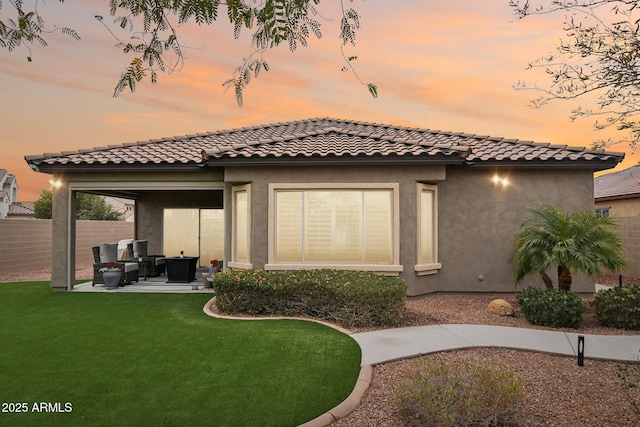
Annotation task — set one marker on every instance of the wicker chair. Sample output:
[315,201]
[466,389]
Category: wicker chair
[129,274]
[138,249]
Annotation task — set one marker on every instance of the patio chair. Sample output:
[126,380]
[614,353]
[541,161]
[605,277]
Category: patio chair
[106,253]
[156,263]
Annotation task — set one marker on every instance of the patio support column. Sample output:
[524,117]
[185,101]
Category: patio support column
[63,244]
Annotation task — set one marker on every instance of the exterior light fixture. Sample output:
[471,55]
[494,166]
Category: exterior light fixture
[55,183]
[498,180]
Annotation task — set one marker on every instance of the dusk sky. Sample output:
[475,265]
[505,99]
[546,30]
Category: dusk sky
[447,65]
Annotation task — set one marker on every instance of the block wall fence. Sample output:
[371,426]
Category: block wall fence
[26,244]
[630,231]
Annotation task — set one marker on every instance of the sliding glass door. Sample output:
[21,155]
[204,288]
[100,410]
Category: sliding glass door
[197,232]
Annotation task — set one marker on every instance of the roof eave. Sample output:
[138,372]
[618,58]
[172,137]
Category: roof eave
[617,197]
[112,167]
[595,165]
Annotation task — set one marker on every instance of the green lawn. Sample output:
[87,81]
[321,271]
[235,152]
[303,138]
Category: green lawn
[157,359]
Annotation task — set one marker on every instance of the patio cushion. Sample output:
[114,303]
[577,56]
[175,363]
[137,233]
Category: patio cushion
[139,248]
[130,266]
[123,249]
[108,252]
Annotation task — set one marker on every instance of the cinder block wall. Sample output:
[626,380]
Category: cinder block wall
[630,231]
[26,245]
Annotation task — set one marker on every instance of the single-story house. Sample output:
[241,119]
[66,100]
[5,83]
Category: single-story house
[618,193]
[438,209]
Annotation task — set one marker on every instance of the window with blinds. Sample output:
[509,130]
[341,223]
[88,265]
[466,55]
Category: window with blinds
[427,215]
[241,226]
[333,225]
[426,226]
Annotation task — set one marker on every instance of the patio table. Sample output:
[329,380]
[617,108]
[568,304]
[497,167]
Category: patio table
[181,270]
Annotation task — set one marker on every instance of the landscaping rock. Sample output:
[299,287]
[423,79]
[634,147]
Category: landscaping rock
[500,307]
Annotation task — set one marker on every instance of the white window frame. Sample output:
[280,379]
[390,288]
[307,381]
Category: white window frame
[394,268]
[244,264]
[423,268]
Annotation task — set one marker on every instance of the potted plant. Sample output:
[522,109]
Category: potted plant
[111,275]
[213,268]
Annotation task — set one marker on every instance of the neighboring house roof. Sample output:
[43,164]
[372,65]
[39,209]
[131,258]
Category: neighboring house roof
[623,184]
[324,140]
[22,209]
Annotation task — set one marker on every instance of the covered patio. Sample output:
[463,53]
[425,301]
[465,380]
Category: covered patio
[163,213]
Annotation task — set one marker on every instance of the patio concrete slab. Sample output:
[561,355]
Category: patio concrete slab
[150,286]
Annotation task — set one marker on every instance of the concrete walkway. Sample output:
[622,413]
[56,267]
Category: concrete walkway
[402,343]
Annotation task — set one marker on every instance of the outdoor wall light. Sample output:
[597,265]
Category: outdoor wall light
[498,180]
[55,183]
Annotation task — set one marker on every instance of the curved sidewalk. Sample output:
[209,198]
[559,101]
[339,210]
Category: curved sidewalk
[401,343]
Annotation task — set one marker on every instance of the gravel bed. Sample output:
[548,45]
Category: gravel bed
[558,392]
[83,271]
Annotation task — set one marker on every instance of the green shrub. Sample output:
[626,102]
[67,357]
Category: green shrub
[618,307]
[459,394]
[349,298]
[548,307]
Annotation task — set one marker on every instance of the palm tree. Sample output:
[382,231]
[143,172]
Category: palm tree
[581,242]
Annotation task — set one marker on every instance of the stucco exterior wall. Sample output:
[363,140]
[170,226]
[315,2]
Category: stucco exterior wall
[477,219]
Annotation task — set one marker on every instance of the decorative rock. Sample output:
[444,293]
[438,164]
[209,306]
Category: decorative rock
[500,307]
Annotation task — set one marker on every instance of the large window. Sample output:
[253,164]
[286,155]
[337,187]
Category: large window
[334,227]
[427,215]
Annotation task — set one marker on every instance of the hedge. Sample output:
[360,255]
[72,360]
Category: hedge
[348,298]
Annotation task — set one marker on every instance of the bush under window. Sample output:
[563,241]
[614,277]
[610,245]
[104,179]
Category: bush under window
[349,298]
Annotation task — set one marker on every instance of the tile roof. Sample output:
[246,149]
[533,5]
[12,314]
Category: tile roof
[21,209]
[622,184]
[324,140]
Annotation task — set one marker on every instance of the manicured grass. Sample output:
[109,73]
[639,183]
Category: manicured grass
[157,359]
